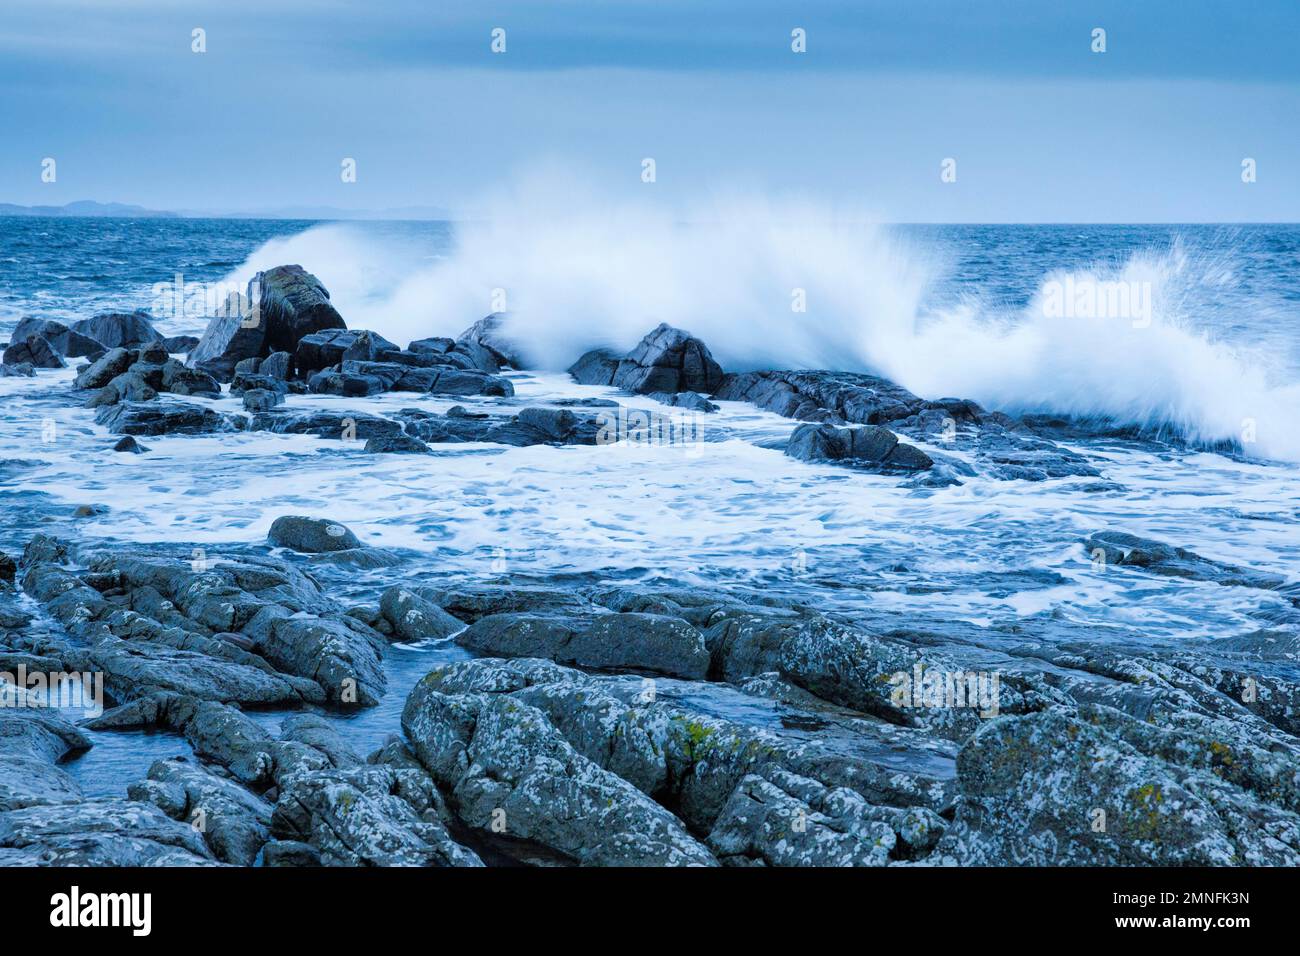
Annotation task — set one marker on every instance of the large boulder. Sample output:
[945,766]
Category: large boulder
[105,368]
[291,303]
[294,304]
[667,360]
[64,340]
[310,535]
[511,773]
[34,351]
[869,446]
[322,350]
[486,334]
[119,329]
[597,367]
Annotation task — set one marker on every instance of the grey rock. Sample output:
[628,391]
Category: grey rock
[130,445]
[34,351]
[596,367]
[504,762]
[164,418]
[32,742]
[232,821]
[261,400]
[396,444]
[64,340]
[106,368]
[1127,550]
[368,816]
[104,832]
[488,334]
[119,329]
[413,618]
[322,350]
[310,535]
[780,819]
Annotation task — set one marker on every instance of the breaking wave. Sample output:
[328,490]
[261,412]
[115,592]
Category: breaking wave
[790,284]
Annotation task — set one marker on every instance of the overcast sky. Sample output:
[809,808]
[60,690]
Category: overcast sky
[1042,128]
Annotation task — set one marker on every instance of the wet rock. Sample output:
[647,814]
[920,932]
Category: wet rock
[130,445]
[261,400]
[538,426]
[650,642]
[164,418]
[310,535]
[292,304]
[1033,788]
[368,816]
[780,819]
[180,344]
[692,401]
[412,618]
[179,380]
[341,426]
[232,821]
[1127,550]
[32,742]
[693,761]
[342,655]
[487,334]
[322,350]
[34,351]
[277,365]
[819,396]
[7,569]
[20,370]
[667,360]
[868,445]
[321,734]
[290,853]
[470,602]
[368,347]
[106,368]
[119,329]
[141,667]
[105,832]
[453,381]
[400,443]
[509,772]
[597,367]
[348,384]
[64,340]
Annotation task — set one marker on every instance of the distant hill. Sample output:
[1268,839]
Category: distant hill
[86,207]
[126,211]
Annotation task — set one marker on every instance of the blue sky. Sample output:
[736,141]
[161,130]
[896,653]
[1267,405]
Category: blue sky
[1043,129]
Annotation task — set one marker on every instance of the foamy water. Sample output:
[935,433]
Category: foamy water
[723,511]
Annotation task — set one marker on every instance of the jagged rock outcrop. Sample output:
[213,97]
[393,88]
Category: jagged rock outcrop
[291,304]
[667,360]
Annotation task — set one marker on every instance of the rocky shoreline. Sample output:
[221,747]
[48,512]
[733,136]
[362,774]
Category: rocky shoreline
[583,722]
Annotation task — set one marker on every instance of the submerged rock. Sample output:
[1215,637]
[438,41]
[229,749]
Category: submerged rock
[1128,550]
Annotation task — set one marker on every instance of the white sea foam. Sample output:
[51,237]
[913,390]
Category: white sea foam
[580,272]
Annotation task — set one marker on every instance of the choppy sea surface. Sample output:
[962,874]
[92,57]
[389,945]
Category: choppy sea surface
[732,510]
